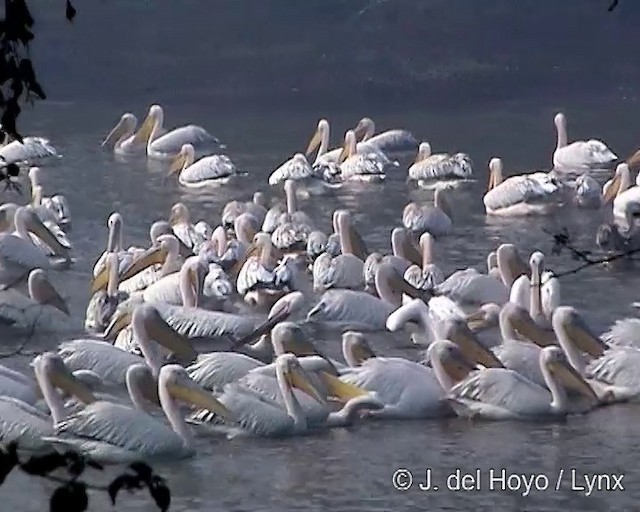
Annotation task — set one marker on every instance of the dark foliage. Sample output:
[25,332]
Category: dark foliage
[71,493]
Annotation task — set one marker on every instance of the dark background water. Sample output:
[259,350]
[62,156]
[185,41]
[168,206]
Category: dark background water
[483,77]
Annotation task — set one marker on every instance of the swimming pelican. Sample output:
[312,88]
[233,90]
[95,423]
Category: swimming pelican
[390,141]
[612,371]
[31,150]
[366,167]
[626,199]
[210,170]
[110,432]
[166,146]
[293,226]
[56,206]
[268,407]
[412,390]
[524,194]
[43,310]
[579,155]
[18,253]
[429,170]
[360,310]
[121,138]
[502,394]
[436,218]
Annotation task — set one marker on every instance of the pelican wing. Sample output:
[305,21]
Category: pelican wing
[522,357]
[501,393]
[625,333]
[214,370]
[253,274]
[428,218]
[108,362]
[173,141]
[528,188]
[292,169]
[442,166]
[120,427]
[16,251]
[618,366]
[351,308]
[471,287]
[344,271]
[212,167]
[31,149]
[394,141]
[200,323]
[23,423]
[363,165]
[583,154]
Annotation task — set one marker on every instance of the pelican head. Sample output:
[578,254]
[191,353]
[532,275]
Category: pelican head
[154,117]
[485,317]
[349,147]
[288,337]
[567,323]
[43,292]
[50,368]
[179,213]
[322,133]
[424,152]
[125,127]
[456,330]
[184,159]
[510,264]
[28,219]
[291,374]
[155,255]
[365,129]
[175,380]
[560,121]
[495,173]
[355,348]
[617,184]
[555,361]
[449,356]
[536,263]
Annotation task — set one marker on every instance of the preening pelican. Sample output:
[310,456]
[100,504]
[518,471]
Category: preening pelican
[525,194]
[110,432]
[19,255]
[168,146]
[429,170]
[412,390]
[502,394]
[31,150]
[42,310]
[436,219]
[390,141]
[579,155]
[210,170]
[366,167]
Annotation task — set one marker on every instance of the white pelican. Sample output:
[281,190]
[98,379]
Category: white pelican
[268,407]
[411,390]
[360,310]
[296,168]
[355,348]
[30,150]
[611,371]
[121,138]
[626,199]
[18,253]
[168,145]
[257,208]
[525,194]
[427,276]
[390,141]
[22,422]
[502,394]
[180,220]
[56,206]
[429,170]
[579,155]
[43,310]
[257,280]
[367,167]
[110,432]
[436,218]
[212,170]
[293,226]
[325,164]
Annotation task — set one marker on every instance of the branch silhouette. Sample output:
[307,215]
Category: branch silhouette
[562,242]
[71,493]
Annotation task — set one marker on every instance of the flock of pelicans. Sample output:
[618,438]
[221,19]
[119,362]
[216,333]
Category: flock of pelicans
[181,345]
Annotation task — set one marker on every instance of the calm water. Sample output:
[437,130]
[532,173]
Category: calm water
[351,469]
